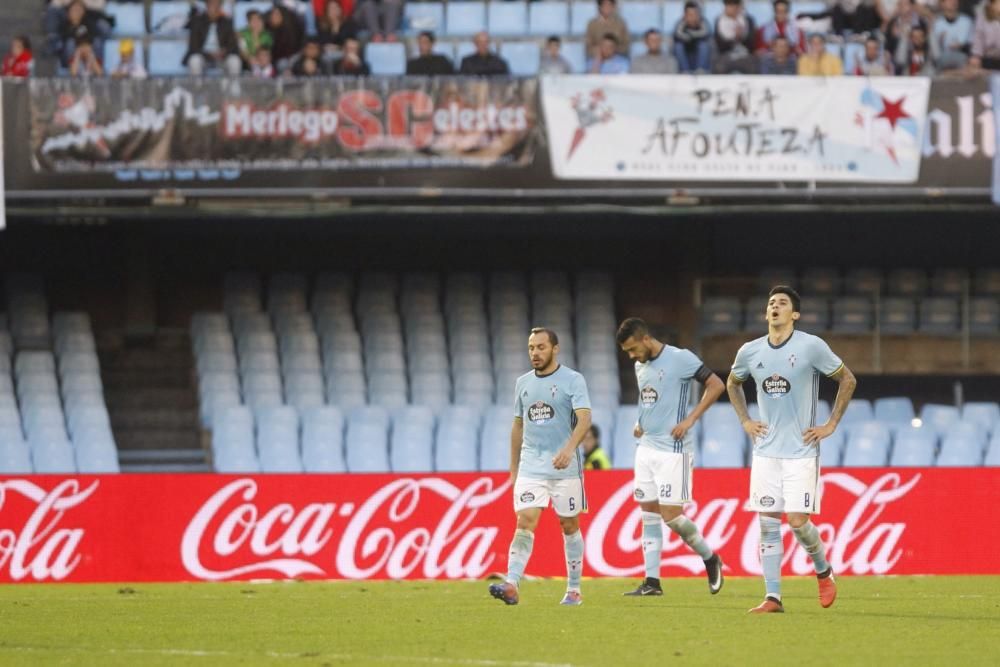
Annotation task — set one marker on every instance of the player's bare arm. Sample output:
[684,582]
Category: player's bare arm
[713,389]
[564,456]
[516,438]
[734,387]
[847,383]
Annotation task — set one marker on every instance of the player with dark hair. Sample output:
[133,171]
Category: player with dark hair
[784,477]
[551,419]
[664,457]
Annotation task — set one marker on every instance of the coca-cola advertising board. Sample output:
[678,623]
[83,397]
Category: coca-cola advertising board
[458,526]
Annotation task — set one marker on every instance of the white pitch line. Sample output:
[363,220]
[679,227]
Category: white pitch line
[199,653]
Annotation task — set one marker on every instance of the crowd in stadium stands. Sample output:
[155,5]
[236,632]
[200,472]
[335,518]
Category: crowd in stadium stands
[329,37]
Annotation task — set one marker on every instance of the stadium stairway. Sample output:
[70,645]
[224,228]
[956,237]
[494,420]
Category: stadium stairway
[153,405]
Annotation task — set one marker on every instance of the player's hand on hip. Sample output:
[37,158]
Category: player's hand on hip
[681,429]
[562,458]
[813,435]
[754,429]
[637,431]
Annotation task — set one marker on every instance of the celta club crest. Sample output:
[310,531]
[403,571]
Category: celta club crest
[791,360]
[554,389]
[659,374]
[591,111]
[881,117]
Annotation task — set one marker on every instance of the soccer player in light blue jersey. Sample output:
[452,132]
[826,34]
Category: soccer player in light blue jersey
[551,419]
[664,457]
[786,366]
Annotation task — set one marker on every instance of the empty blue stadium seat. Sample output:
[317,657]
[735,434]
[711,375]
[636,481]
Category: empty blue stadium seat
[939,417]
[720,417]
[858,410]
[867,445]
[366,446]
[852,315]
[386,58]
[623,447]
[723,448]
[894,410]
[507,19]
[898,315]
[831,450]
[412,443]
[949,281]
[753,316]
[130,19]
[465,19]
[323,440]
[914,446]
[420,16]
[15,458]
[910,283]
[984,316]
[720,315]
[863,282]
[548,17]
[581,12]
[815,315]
[169,17]
[763,13]
[494,444]
[457,443]
[165,57]
[673,12]
[522,57]
[986,414]
[640,16]
[939,316]
[962,445]
[53,457]
[993,451]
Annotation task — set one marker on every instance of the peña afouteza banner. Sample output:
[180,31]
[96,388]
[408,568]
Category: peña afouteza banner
[727,128]
[237,125]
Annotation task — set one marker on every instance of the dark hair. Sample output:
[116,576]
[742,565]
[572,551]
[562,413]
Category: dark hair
[786,3]
[601,2]
[792,295]
[553,39]
[553,338]
[610,36]
[631,327]
[651,31]
[596,430]
[691,4]
[429,34]
[732,2]
[25,42]
[252,13]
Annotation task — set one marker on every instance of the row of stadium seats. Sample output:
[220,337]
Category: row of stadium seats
[854,314]
[913,283]
[400,340]
[464,438]
[53,417]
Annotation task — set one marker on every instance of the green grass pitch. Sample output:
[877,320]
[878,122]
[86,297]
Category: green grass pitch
[876,621]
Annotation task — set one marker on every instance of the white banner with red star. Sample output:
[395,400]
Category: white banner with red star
[735,128]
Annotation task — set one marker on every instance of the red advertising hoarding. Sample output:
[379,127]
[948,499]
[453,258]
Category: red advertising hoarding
[224,527]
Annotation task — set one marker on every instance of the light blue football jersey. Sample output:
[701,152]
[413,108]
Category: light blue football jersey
[787,381]
[546,406]
[665,396]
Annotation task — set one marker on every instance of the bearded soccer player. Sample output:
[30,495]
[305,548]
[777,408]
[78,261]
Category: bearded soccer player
[664,457]
[786,366]
[551,419]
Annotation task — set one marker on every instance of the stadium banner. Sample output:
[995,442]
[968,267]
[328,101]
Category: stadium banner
[959,139]
[231,126]
[207,527]
[752,128]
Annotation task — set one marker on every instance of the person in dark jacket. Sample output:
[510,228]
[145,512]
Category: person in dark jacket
[351,64]
[65,29]
[289,35]
[333,29]
[429,63]
[484,62]
[212,42]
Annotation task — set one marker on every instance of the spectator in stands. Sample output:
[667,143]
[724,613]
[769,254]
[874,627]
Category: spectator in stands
[84,62]
[986,37]
[552,61]
[254,37]
[483,62]
[595,458]
[608,60]
[913,58]
[333,29]
[854,16]
[780,59]
[734,40]
[428,63]
[874,61]
[607,21]
[380,18]
[781,26]
[288,32]
[898,29]
[212,43]
[692,47]
[19,61]
[309,61]
[262,67]
[817,61]
[654,61]
[66,27]
[351,63]
[951,37]
[128,67]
